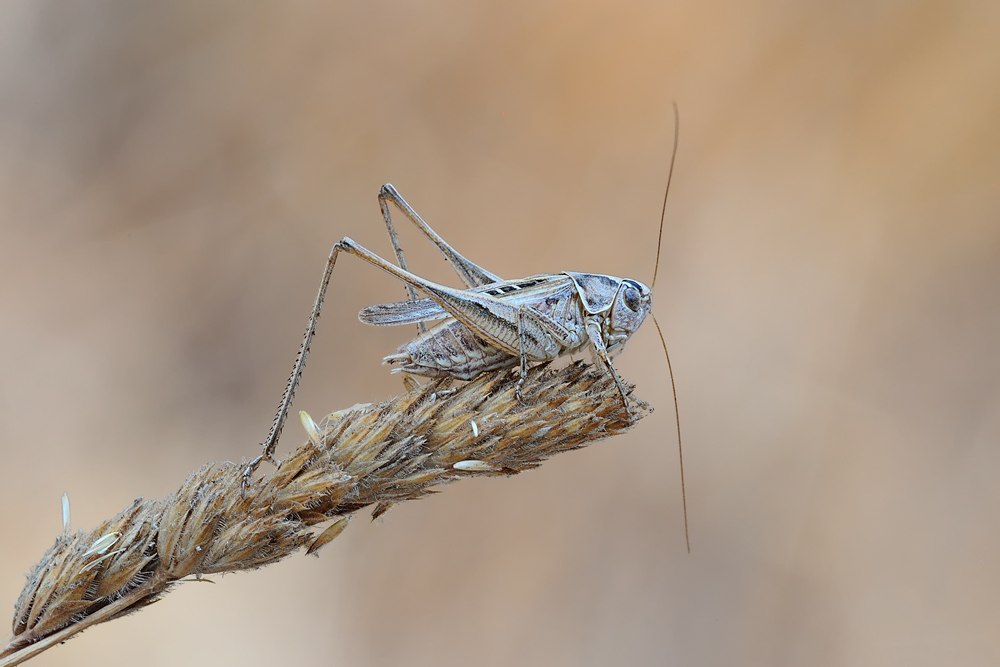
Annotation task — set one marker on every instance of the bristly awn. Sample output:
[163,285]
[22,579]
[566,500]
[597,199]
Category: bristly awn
[492,324]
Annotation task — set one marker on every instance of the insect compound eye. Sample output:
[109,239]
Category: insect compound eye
[632,298]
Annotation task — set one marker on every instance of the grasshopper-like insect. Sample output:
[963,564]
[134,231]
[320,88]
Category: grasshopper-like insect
[493,324]
[496,324]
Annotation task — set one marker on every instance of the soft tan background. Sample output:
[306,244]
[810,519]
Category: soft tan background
[172,177]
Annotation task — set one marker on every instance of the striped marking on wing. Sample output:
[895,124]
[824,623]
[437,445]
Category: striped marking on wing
[423,310]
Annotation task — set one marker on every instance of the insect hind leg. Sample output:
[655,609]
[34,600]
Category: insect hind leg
[471,273]
[271,441]
[384,196]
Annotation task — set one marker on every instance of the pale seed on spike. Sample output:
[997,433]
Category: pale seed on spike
[65,509]
[98,561]
[102,544]
[473,466]
[310,426]
[333,416]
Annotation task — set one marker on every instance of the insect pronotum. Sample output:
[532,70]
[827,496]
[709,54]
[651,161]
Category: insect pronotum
[493,323]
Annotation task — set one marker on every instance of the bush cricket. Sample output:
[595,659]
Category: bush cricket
[493,323]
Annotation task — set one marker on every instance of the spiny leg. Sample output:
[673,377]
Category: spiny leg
[601,354]
[610,368]
[271,441]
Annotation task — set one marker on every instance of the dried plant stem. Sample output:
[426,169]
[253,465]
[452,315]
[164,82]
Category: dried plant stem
[117,608]
[374,454]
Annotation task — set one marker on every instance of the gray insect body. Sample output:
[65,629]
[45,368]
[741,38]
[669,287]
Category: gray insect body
[500,324]
[565,303]
[451,348]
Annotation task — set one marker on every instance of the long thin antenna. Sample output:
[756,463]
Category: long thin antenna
[677,418]
[670,175]
[656,269]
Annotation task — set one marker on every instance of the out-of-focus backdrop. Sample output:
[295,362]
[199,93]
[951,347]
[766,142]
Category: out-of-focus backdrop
[172,176]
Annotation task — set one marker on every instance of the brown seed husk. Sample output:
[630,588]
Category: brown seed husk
[375,454]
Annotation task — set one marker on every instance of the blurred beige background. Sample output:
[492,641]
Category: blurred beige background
[172,176]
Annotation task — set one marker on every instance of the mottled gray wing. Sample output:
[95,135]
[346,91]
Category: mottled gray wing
[521,290]
[402,312]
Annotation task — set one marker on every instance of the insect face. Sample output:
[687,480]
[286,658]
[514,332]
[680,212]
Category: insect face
[633,302]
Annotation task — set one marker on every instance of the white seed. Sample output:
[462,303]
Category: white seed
[98,561]
[334,416]
[473,466]
[102,544]
[475,428]
[310,426]
[65,509]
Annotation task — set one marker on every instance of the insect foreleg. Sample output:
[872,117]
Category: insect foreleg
[602,356]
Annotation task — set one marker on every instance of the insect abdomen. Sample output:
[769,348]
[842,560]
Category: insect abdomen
[450,349]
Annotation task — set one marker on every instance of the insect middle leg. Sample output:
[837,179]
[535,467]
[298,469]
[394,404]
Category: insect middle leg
[522,336]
